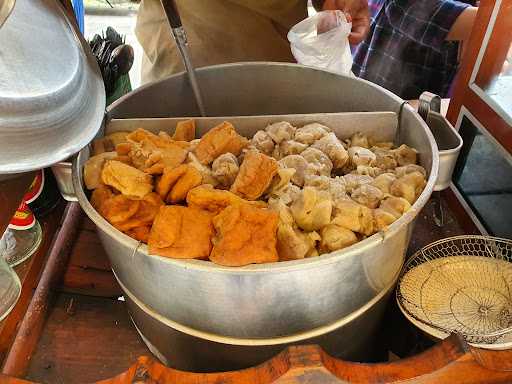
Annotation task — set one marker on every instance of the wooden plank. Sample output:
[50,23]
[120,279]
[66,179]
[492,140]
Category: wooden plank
[87,251]
[89,271]
[30,329]
[28,272]
[92,282]
[85,339]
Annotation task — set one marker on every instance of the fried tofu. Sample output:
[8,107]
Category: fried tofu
[181,233]
[245,235]
[152,153]
[140,233]
[215,200]
[185,130]
[128,180]
[145,214]
[118,209]
[93,167]
[175,183]
[255,175]
[100,195]
[219,140]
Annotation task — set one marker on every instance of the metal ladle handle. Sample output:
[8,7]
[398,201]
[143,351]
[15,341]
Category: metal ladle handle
[173,16]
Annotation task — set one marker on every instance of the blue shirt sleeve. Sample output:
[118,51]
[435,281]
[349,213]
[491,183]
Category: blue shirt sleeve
[425,21]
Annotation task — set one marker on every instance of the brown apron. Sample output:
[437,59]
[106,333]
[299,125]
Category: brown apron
[218,31]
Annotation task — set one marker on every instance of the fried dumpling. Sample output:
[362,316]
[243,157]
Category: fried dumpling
[263,142]
[310,133]
[280,131]
[299,164]
[332,147]
[383,182]
[354,216]
[318,162]
[335,237]
[361,156]
[312,210]
[405,155]
[408,186]
[367,195]
[225,169]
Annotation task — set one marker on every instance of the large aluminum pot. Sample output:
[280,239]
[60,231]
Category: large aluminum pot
[269,300]
[352,338]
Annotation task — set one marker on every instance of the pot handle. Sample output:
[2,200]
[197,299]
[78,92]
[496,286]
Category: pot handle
[428,102]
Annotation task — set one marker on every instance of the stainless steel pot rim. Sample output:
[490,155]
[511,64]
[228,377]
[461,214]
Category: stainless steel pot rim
[316,332]
[282,266]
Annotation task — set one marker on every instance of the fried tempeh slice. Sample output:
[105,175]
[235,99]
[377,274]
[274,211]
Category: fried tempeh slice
[255,175]
[126,179]
[181,233]
[221,139]
[244,235]
[185,130]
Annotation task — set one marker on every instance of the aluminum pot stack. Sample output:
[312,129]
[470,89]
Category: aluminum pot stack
[200,316]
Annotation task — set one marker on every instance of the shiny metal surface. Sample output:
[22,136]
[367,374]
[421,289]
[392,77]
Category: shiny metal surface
[6,7]
[181,40]
[350,338]
[384,124]
[449,144]
[52,97]
[62,172]
[268,300]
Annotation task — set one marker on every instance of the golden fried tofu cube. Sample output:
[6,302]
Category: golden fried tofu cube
[215,200]
[175,183]
[181,233]
[126,179]
[245,235]
[255,175]
[221,139]
[185,130]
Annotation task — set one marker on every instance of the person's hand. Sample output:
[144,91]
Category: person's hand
[357,11]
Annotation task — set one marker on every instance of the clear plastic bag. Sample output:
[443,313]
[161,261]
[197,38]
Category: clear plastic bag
[322,41]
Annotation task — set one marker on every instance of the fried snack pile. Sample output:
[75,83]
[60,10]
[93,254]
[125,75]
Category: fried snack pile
[286,194]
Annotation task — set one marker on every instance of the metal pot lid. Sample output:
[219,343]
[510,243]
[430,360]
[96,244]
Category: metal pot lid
[52,98]
[6,7]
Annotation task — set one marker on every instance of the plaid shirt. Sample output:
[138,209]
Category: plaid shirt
[406,51]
